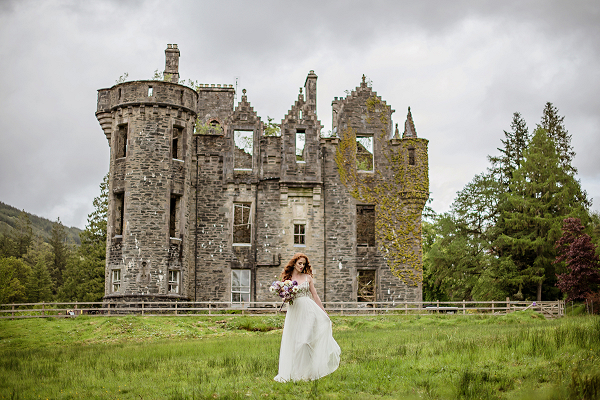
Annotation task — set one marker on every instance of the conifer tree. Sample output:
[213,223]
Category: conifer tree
[39,285]
[555,128]
[542,193]
[60,254]
[515,142]
[84,275]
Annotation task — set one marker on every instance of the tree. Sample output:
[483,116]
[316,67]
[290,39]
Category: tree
[84,274]
[555,128]
[22,235]
[14,274]
[576,249]
[541,195]
[60,254]
[39,286]
[515,142]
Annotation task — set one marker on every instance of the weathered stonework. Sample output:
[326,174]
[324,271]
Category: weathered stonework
[192,214]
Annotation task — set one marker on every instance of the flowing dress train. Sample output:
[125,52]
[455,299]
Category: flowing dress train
[308,349]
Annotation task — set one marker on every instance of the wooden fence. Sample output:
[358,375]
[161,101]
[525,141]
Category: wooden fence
[550,309]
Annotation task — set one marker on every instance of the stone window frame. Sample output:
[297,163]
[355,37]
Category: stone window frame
[119,214]
[411,156]
[372,137]
[300,131]
[369,236]
[299,234]
[174,216]
[373,297]
[253,131]
[121,141]
[250,207]
[177,143]
[238,292]
[115,280]
[173,281]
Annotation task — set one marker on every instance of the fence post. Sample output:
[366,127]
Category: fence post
[464,307]
[43,308]
[209,307]
[438,306]
[492,307]
[75,313]
[406,308]
[508,305]
[142,307]
[175,307]
[12,313]
[342,309]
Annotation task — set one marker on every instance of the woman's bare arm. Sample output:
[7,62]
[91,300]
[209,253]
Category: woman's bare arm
[313,291]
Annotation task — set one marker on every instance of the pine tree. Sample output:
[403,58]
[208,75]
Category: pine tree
[84,274]
[515,142]
[576,249]
[39,285]
[555,128]
[60,254]
[22,235]
[541,195]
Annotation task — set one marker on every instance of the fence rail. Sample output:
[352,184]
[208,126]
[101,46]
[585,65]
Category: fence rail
[550,309]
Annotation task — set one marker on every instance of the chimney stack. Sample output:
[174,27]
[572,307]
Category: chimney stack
[172,63]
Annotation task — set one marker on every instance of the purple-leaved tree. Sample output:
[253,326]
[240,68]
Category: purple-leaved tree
[578,252]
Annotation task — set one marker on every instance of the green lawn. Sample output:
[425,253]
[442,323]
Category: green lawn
[519,356]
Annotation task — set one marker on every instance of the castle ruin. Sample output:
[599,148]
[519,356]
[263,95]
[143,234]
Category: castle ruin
[204,205]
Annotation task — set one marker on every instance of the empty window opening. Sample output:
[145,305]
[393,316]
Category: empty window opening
[243,150]
[150,91]
[174,216]
[300,114]
[411,156]
[119,213]
[240,285]
[366,285]
[177,143]
[300,234]
[122,141]
[174,281]
[300,145]
[215,127]
[181,97]
[116,280]
[119,94]
[364,153]
[365,225]
[242,223]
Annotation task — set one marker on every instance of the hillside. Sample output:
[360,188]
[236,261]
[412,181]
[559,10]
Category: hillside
[41,226]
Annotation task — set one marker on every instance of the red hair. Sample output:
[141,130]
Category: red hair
[286,274]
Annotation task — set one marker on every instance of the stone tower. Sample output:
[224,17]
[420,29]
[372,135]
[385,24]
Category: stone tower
[149,126]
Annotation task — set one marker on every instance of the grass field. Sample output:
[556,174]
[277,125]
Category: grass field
[518,356]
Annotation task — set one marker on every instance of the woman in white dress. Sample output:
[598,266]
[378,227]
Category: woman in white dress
[308,350]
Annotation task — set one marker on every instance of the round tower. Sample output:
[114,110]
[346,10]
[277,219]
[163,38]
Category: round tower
[149,126]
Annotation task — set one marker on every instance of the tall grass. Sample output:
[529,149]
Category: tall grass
[519,356]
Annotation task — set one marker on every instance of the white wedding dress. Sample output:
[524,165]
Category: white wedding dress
[308,349]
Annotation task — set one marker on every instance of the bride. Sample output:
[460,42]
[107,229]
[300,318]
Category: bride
[308,350]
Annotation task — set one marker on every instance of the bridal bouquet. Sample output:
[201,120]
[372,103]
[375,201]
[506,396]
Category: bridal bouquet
[286,290]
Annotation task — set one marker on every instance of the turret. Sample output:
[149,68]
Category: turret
[149,126]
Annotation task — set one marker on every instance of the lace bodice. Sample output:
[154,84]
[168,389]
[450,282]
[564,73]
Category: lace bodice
[303,290]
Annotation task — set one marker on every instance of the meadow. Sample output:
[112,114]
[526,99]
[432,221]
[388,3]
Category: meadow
[517,356]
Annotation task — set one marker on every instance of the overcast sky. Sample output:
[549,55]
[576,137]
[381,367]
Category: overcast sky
[464,67]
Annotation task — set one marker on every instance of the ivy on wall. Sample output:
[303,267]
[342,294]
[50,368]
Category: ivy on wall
[398,190]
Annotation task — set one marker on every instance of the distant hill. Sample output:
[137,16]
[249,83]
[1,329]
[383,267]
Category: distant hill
[41,226]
